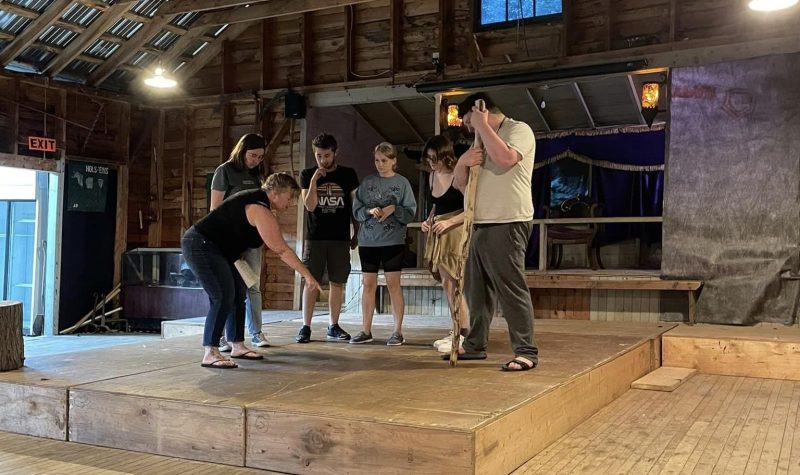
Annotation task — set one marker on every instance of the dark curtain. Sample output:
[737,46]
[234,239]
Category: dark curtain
[634,192]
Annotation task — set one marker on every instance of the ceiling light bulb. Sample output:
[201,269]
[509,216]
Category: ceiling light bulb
[542,105]
[158,80]
[771,5]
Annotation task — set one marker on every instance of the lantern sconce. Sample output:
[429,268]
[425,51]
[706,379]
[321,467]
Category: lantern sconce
[453,120]
[650,94]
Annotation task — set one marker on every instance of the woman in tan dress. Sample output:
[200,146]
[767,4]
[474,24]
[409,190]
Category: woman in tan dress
[445,228]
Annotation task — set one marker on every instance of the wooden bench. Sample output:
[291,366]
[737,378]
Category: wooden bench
[608,280]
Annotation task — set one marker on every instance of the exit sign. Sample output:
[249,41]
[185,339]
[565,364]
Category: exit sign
[42,144]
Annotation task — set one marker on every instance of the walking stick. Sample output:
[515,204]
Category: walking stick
[469,215]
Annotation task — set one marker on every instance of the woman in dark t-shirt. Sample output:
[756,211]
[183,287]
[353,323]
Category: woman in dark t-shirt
[210,247]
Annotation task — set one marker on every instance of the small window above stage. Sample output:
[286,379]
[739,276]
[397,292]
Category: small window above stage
[496,14]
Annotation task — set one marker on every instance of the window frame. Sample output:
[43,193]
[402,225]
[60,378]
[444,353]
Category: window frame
[502,25]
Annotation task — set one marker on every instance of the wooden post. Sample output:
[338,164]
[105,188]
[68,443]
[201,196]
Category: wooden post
[11,344]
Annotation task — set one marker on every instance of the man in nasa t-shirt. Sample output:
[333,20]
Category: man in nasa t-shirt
[328,190]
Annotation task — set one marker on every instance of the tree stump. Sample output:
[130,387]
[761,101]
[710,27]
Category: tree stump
[11,345]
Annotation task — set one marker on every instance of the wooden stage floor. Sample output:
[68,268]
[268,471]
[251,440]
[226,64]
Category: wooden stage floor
[332,407]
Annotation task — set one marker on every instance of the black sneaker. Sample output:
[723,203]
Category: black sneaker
[361,338]
[335,332]
[305,334]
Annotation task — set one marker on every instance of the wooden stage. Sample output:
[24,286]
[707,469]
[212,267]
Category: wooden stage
[332,407]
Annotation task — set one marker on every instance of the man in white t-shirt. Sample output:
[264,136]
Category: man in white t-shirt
[495,268]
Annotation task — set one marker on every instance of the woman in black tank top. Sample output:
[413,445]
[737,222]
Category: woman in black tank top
[212,246]
[445,228]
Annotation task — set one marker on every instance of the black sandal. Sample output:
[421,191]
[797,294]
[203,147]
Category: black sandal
[520,360]
[214,364]
[248,355]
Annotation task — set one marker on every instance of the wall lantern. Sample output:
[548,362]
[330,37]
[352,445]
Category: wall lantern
[453,120]
[159,80]
[771,5]
[650,93]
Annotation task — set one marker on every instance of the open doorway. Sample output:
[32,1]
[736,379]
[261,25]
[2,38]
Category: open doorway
[28,205]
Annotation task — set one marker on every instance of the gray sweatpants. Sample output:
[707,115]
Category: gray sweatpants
[495,274]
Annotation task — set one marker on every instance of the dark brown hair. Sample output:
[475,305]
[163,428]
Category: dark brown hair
[248,142]
[325,141]
[469,101]
[443,149]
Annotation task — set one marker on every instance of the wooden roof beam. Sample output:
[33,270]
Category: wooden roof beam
[85,39]
[212,50]
[32,32]
[128,49]
[634,95]
[404,117]
[539,111]
[271,9]
[582,100]
[186,6]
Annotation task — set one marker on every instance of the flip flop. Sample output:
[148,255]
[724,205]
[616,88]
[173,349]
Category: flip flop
[214,364]
[520,360]
[480,355]
[248,356]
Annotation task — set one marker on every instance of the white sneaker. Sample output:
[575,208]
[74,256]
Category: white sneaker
[260,340]
[223,345]
[445,347]
[444,341]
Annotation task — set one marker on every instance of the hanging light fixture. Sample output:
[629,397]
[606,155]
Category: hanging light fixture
[771,5]
[159,80]
[453,120]
[650,93]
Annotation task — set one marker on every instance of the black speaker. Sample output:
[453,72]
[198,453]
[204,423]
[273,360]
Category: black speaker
[295,105]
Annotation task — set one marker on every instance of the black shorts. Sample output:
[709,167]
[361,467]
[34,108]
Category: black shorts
[391,257]
[333,256]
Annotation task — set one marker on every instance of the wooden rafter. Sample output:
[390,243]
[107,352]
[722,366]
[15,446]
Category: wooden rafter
[582,100]
[634,95]
[349,21]
[395,34]
[172,56]
[49,16]
[84,40]
[271,9]
[306,47]
[366,119]
[407,120]
[186,6]
[6,36]
[127,50]
[211,51]
[536,108]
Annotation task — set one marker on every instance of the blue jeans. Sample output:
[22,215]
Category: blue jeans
[221,281]
[253,258]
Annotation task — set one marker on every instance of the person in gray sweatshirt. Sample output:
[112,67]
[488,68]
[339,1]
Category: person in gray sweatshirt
[384,204]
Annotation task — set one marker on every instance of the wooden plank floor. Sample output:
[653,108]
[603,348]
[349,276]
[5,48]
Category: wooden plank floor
[25,455]
[711,424]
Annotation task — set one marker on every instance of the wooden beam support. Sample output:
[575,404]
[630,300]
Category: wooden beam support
[123,146]
[211,51]
[306,47]
[5,36]
[349,22]
[172,57]
[227,66]
[673,20]
[582,100]
[187,219]
[566,33]
[275,142]
[395,35]
[445,21]
[61,125]
[14,129]
[32,32]
[271,9]
[186,6]
[266,54]
[84,40]
[536,108]
[404,117]
[156,182]
[127,50]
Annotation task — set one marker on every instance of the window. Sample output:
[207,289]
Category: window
[500,13]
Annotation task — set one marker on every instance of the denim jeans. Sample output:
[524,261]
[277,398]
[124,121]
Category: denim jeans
[221,281]
[253,258]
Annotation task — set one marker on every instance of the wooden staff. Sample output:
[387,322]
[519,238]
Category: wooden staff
[470,196]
